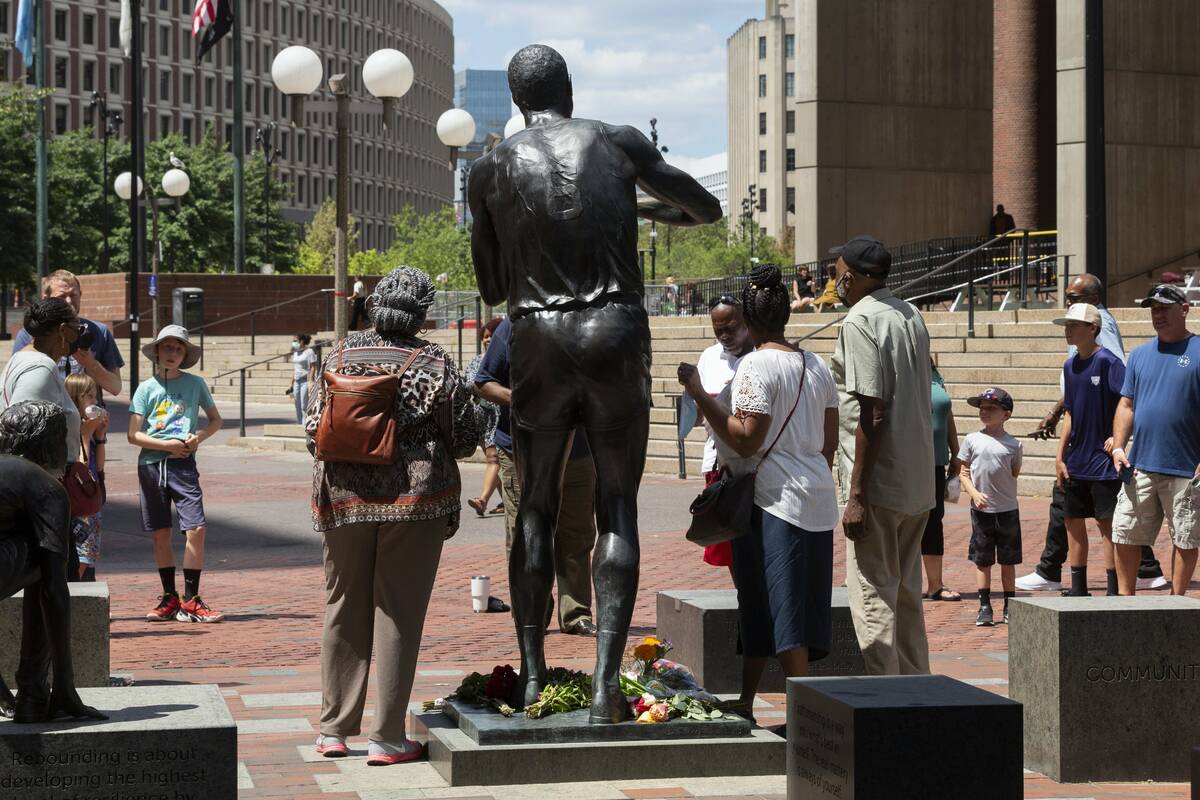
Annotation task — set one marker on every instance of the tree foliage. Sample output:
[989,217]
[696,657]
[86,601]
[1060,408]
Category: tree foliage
[318,251]
[705,251]
[17,190]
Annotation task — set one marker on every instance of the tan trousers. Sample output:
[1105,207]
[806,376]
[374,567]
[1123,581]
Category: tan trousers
[378,578]
[574,536]
[883,576]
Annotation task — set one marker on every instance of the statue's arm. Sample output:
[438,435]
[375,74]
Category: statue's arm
[485,245]
[684,200]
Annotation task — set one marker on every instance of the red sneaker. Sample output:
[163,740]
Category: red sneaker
[196,610]
[166,609]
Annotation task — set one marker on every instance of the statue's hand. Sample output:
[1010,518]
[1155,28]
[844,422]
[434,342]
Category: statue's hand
[67,703]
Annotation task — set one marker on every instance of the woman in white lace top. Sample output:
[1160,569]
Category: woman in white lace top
[783,422]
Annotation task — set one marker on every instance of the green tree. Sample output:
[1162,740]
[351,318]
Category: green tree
[17,190]
[75,194]
[436,244]
[318,251]
[705,251]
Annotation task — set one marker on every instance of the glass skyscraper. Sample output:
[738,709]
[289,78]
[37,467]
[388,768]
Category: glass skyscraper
[485,96]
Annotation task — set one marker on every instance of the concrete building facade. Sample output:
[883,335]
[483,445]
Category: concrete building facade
[391,169]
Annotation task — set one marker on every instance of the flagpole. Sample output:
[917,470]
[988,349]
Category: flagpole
[239,145]
[137,227]
[39,72]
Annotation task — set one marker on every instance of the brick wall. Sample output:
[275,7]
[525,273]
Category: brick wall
[105,299]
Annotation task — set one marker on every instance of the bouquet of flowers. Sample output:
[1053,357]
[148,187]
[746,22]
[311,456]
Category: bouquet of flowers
[493,690]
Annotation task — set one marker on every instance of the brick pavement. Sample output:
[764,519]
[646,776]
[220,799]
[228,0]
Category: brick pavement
[271,586]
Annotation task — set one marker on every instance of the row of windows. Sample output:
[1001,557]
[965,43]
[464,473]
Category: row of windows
[789,160]
[789,122]
[789,205]
[789,85]
[789,46]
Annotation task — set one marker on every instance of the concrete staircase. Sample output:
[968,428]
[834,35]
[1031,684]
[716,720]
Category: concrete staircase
[1022,351]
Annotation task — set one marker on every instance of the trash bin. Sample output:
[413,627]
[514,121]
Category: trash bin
[187,307]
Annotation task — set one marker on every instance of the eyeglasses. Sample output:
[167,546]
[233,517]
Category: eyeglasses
[1076,298]
[723,300]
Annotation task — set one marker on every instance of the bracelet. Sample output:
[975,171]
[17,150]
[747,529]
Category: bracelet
[102,441]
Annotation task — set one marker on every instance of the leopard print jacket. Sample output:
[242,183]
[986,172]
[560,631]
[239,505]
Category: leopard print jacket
[436,414]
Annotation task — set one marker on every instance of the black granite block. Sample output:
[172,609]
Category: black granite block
[702,626]
[1095,674]
[901,737]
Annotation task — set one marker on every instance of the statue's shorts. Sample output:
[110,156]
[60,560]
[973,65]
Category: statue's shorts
[588,365]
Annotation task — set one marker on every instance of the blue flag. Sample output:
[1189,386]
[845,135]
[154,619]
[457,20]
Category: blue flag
[24,34]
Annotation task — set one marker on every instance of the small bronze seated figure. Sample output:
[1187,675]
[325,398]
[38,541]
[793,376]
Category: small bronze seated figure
[34,541]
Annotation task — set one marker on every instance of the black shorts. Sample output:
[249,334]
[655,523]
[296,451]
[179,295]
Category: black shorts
[1083,499]
[995,537]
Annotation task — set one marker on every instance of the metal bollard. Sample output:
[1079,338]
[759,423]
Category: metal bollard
[252,334]
[242,403]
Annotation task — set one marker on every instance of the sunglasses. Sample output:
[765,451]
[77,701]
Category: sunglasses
[723,300]
[1077,298]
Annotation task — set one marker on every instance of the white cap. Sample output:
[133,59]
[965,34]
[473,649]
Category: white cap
[1080,312]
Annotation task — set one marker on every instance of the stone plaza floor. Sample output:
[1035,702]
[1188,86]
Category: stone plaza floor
[264,571]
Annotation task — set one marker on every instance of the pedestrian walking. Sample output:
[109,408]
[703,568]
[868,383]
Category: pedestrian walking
[304,372]
[991,463]
[488,415]
[783,427]
[358,303]
[383,525]
[164,421]
[1092,381]
[885,458]
[945,460]
[1158,407]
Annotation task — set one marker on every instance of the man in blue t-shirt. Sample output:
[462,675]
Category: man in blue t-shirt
[575,533]
[1158,406]
[1092,379]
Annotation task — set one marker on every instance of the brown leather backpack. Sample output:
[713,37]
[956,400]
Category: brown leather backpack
[358,422]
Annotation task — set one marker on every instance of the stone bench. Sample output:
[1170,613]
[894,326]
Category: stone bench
[702,626]
[901,736]
[159,743]
[89,634]
[1110,685]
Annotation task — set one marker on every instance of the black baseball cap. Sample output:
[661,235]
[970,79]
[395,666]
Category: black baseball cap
[995,395]
[1165,294]
[865,255]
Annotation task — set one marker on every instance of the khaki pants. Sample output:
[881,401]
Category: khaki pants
[378,578]
[883,576]
[574,536]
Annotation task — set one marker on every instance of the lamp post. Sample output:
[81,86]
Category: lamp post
[175,183]
[265,137]
[456,128]
[110,121]
[653,224]
[749,206]
[388,75]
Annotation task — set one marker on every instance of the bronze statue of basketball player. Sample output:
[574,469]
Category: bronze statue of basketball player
[555,234]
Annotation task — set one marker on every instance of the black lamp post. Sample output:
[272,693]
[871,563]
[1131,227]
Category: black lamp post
[653,224]
[110,121]
[265,137]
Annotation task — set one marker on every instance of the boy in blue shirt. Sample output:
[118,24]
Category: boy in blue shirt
[163,421]
[1092,379]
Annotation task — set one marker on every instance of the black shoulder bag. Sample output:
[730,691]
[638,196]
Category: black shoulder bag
[722,511]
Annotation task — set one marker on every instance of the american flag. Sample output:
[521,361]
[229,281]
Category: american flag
[211,19]
[203,15]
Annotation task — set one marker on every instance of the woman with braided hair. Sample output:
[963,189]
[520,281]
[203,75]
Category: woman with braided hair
[384,524]
[783,424]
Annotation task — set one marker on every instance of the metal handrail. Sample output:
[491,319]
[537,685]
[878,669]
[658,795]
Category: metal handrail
[1148,272]
[241,370]
[996,274]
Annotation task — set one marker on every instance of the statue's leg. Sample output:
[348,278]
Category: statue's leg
[33,670]
[540,456]
[17,572]
[619,456]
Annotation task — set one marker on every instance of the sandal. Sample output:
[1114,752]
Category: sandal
[477,505]
[499,509]
[946,595]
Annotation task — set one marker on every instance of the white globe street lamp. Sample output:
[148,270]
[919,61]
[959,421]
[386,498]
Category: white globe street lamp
[388,75]
[514,125]
[297,72]
[124,183]
[175,182]
[456,128]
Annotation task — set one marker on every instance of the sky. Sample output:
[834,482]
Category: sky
[630,60]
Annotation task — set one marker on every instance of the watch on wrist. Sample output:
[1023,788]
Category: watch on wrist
[102,441]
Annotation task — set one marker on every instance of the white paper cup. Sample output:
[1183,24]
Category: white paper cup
[481,589]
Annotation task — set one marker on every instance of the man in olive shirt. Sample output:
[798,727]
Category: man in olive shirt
[885,458]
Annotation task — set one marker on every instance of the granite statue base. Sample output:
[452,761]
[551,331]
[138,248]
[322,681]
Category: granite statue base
[159,743]
[901,737]
[516,750]
[702,626]
[1095,674]
[89,634]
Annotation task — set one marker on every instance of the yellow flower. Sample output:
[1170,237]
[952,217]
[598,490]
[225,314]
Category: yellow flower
[648,649]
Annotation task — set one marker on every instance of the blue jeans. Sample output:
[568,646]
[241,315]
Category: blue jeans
[300,396]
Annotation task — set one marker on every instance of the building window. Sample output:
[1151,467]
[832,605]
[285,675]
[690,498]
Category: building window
[284,13]
[266,101]
[60,25]
[187,130]
[248,97]
[789,84]
[762,123]
[791,200]
[185,49]
[762,85]
[186,90]
[762,160]
[114,32]
[762,47]
[4,24]
[789,45]
[89,76]
[209,90]
[164,86]
[283,144]
[266,17]
[229,95]
[60,73]
[790,159]
[164,40]
[248,138]
[164,5]
[164,124]
[762,200]
[60,119]
[89,28]
[791,122]
[301,185]
[316,151]
[228,136]
[114,79]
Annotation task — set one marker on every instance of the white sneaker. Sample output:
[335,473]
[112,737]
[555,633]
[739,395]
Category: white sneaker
[1036,583]
[1153,583]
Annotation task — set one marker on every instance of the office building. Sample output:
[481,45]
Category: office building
[484,94]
